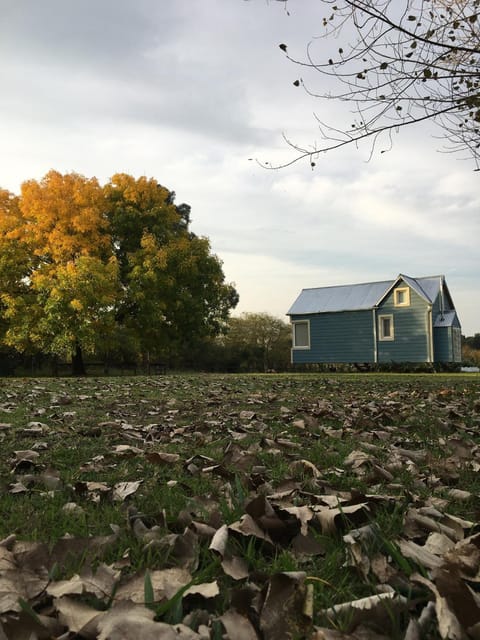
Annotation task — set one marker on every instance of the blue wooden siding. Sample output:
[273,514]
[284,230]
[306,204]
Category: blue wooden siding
[443,344]
[337,337]
[411,334]
[447,345]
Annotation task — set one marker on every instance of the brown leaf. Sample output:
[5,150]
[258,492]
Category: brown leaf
[162,457]
[165,584]
[77,615]
[306,467]
[205,590]
[247,526]
[377,610]
[25,459]
[303,514]
[15,584]
[282,617]
[24,625]
[126,450]
[247,415]
[333,519]
[307,545]
[458,494]
[122,490]
[438,543]
[220,540]
[448,624]
[127,621]
[463,602]
[66,587]
[233,566]
[419,554]
[357,459]
[238,627]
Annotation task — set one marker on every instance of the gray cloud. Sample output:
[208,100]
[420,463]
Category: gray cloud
[187,91]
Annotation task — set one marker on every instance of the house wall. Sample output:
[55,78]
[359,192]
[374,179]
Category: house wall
[447,342]
[345,336]
[443,344]
[411,330]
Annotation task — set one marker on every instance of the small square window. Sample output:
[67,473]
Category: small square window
[385,324]
[402,297]
[301,334]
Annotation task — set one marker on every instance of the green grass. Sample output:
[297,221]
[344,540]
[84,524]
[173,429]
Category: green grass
[225,460]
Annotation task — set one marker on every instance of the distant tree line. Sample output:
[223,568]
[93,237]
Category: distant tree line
[251,342]
[471,350]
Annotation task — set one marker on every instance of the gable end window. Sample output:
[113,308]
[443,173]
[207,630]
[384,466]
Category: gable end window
[301,334]
[402,297]
[385,326]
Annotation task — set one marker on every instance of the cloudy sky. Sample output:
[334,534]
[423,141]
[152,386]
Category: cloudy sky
[189,92]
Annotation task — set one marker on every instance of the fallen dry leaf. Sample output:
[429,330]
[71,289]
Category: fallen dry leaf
[122,490]
[238,627]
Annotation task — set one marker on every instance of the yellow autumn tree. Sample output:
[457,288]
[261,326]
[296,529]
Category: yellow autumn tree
[63,217]
[62,300]
[90,268]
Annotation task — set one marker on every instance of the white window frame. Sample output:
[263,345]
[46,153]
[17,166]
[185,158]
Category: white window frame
[406,302]
[381,335]
[294,345]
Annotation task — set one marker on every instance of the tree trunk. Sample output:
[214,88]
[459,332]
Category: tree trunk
[78,366]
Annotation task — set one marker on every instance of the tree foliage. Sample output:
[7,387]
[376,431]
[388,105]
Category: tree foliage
[471,349]
[397,63]
[112,269]
[257,342]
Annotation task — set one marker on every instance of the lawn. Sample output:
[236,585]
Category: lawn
[241,507]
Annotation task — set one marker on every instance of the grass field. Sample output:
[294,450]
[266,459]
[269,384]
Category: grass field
[259,506]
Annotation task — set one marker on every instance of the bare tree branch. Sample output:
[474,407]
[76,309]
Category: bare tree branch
[409,61]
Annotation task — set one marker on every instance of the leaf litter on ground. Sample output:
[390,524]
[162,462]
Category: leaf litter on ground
[250,507]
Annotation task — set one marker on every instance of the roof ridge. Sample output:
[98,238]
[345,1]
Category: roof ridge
[355,284]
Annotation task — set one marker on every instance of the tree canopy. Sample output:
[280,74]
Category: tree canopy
[105,269]
[255,342]
[396,63]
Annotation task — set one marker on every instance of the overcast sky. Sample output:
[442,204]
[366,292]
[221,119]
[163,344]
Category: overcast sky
[188,92]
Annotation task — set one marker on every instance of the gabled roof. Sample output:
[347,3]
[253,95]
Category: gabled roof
[357,297]
[447,319]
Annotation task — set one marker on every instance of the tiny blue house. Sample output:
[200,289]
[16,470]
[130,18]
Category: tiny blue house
[402,320]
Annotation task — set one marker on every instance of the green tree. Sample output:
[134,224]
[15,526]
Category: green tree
[259,342]
[473,341]
[86,269]
[397,63]
[175,294]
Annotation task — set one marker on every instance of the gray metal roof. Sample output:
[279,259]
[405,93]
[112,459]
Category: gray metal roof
[355,297]
[447,319]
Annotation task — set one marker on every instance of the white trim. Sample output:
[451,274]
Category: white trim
[409,282]
[297,347]
[430,334]
[406,292]
[381,336]
[375,346]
